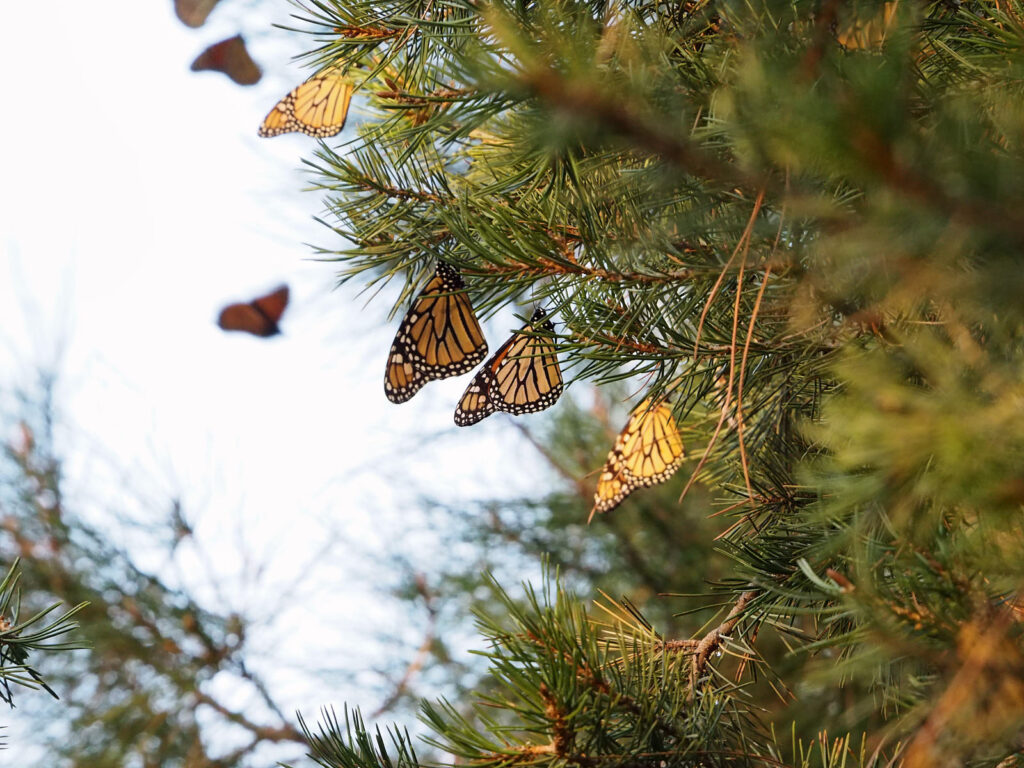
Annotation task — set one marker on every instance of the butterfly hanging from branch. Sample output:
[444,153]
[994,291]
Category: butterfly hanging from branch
[648,451]
[317,107]
[439,337]
[523,376]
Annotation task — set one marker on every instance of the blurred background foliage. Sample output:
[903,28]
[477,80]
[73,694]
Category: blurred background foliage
[800,219]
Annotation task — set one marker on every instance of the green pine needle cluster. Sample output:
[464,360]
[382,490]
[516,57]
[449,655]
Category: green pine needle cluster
[21,636]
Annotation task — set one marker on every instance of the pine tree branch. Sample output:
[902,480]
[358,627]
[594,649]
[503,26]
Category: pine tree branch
[982,659]
[438,95]
[593,679]
[527,753]
[703,649]
[264,692]
[372,185]
[275,734]
[550,268]
[877,154]
[422,652]
[368,32]
[583,100]
[563,739]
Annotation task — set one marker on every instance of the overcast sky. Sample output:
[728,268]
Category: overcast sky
[136,200]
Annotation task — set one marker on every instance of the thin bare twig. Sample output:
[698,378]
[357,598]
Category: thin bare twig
[732,366]
[745,243]
[552,459]
[421,653]
[740,424]
[284,733]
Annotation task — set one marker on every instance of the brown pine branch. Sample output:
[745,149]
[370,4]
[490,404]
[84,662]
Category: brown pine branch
[276,734]
[435,96]
[563,739]
[646,133]
[528,753]
[703,648]
[422,652]
[592,678]
[368,32]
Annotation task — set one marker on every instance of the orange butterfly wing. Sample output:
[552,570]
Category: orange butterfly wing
[317,107]
[648,451]
[439,337]
[523,376]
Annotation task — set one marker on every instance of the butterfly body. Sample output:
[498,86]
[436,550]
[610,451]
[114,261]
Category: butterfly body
[648,451]
[258,317]
[523,376]
[317,107]
[439,337]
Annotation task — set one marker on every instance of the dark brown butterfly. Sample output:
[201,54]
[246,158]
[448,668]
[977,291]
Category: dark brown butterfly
[521,377]
[258,317]
[230,57]
[193,13]
[439,337]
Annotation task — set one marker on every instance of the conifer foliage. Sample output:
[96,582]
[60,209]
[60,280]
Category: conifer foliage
[800,222]
[21,635]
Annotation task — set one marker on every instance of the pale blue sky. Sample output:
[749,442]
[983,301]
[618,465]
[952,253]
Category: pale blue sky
[136,200]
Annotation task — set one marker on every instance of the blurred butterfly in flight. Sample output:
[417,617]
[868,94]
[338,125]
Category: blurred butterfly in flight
[317,107]
[648,451]
[230,57]
[439,337]
[258,317]
[523,376]
[193,13]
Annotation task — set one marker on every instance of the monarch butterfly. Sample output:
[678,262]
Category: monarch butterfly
[521,377]
[648,451]
[258,317]
[439,337]
[230,57]
[193,13]
[317,107]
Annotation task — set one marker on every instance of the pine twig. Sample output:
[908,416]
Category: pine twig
[744,243]
[710,643]
[562,736]
[740,424]
[284,733]
[421,653]
[583,100]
